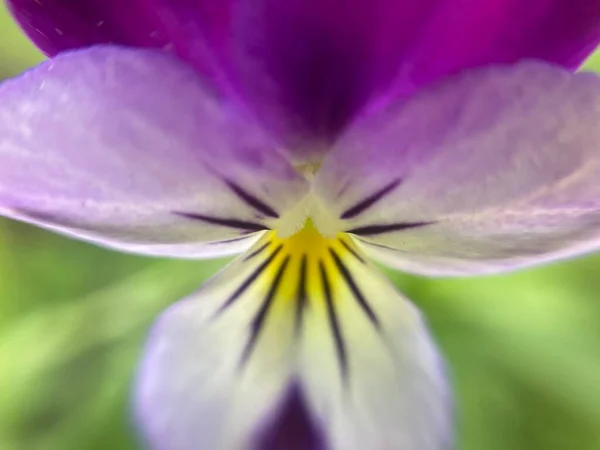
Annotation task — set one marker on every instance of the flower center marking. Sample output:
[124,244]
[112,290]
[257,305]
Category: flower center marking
[293,275]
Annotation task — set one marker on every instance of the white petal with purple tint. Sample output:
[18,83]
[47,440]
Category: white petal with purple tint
[495,169]
[378,382]
[127,148]
[318,345]
[203,382]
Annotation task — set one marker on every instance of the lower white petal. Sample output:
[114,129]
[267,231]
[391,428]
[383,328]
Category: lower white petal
[302,321]
[377,382]
[197,387]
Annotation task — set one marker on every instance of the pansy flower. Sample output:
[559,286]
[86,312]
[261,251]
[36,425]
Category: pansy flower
[312,137]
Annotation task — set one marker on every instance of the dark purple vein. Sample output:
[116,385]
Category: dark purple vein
[251,200]
[301,295]
[371,230]
[352,251]
[259,320]
[225,222]
[369,201]
[258,251]
[333,322]
[356,292]
[249,280]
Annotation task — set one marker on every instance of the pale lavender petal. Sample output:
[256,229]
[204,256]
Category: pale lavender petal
[488,171]
[125,148]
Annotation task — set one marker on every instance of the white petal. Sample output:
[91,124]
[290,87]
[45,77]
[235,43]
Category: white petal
[387,388]
[202,383]
[305,315]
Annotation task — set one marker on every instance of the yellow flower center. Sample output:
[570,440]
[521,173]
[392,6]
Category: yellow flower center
[312,262]
[303,283]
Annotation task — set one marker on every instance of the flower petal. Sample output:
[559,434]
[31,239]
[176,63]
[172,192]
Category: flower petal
[489,171]
[370,369]
[308,66]
[193,29]
[213,374]
[125,148]
[316,336]
[321,61]
[463,34]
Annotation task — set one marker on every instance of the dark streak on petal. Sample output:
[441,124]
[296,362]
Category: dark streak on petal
[252,201]
[370,230]
[351,250]
[230,223]
[258,251]
[369,201]
[333,322]
[293,428]
[251,279]
[227,241]
[302,296]
[375,244]
[362,301]
[261,315]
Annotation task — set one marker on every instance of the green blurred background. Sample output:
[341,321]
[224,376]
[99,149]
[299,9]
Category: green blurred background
[523,349]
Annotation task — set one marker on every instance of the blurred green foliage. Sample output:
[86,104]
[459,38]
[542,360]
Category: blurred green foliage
[523,349]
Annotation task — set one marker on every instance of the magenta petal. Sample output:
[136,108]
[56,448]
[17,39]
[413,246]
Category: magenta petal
[306,67]
[325,59]
[192,28]
[312,64]
[463,34]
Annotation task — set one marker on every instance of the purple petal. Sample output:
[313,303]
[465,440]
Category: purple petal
[464,34]
[308,66]
[489,171]
[193,28]
[324,59]
[124,147]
